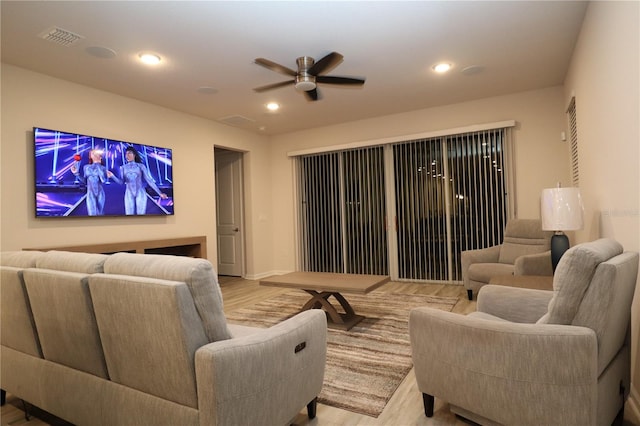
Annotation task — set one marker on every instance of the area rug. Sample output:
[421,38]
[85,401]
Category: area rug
[366,364]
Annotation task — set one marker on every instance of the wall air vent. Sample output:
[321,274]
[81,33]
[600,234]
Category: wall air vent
[236,120]
[60,36]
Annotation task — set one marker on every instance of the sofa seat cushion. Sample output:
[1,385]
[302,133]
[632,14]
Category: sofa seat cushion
[482,272]
[198,274]
[486,316]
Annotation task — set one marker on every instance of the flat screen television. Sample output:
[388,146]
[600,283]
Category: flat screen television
[79,175]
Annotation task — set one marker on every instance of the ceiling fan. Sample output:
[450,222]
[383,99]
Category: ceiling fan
[309,74]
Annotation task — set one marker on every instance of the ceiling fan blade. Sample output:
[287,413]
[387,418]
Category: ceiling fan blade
[273,86]
[326,63]
[275,67]
[328,79]
[312,94]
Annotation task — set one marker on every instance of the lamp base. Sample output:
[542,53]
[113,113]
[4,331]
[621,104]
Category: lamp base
[559,244]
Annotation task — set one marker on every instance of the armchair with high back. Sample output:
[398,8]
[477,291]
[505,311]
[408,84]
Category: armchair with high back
[524,251]
[533,357]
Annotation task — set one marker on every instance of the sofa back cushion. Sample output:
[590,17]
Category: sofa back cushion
[64,318]
[150,332]
[87,263]
[606,305]
[16,319]
[20,259]
[523,237]
[574,275]
[197,274]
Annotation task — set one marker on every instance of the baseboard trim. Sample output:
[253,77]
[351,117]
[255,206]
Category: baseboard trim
[632,407]
[257,277]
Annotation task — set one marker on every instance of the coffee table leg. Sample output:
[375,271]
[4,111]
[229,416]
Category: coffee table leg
[345,305]
[319,300]
[343,321]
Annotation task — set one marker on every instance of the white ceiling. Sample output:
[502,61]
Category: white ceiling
[518,45]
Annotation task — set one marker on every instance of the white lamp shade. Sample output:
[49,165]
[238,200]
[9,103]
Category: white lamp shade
[561,209]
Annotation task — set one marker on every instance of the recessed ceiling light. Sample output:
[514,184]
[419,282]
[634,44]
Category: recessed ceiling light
[272,106]
[150,58]
[442,67]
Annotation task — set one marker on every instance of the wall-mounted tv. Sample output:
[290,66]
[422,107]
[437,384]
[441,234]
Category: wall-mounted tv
[78,175]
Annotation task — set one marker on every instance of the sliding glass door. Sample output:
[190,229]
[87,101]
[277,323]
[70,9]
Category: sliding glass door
[405,209]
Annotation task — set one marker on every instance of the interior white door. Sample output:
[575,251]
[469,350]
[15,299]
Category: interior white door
[228,171]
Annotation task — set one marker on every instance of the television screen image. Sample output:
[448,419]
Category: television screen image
[78,175]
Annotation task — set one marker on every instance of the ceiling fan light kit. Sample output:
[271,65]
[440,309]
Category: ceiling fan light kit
[308,75]
[305,83]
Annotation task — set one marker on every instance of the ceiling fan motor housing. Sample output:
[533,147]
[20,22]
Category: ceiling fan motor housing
[304,80]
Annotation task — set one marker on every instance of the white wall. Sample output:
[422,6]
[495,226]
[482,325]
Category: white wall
[604,77]
[30,99]
[541,158]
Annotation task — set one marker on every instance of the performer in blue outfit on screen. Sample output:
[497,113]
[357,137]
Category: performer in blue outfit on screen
[94,175]
[132,173]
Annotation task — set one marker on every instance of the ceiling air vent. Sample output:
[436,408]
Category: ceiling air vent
[236,120]
[60,36]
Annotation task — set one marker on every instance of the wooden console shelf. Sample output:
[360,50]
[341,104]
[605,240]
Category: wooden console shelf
[188,246]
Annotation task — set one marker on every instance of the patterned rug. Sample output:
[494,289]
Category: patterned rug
[366,364]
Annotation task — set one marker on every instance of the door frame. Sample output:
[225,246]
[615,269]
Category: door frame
[240,215]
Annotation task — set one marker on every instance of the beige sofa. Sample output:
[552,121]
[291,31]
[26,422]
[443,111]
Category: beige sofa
[142,339]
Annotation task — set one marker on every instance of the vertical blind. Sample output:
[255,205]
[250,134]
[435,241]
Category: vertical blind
[342,212]
[364,201]
[450,197]
[320,217]
[421,209]
[449,193]
[573,130]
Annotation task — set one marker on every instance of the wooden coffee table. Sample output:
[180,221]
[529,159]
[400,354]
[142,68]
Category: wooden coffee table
[322,285]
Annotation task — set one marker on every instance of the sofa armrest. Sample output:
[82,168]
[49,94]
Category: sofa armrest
[516,373]
[486,255]
[534,264]
[522,305]
[285,363]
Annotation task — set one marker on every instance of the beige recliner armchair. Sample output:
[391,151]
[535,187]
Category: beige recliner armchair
[524,251]
[533,357]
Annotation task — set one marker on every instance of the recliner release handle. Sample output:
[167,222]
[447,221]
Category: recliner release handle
[299,347]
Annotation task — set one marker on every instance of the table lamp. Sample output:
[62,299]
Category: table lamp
[561,210]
